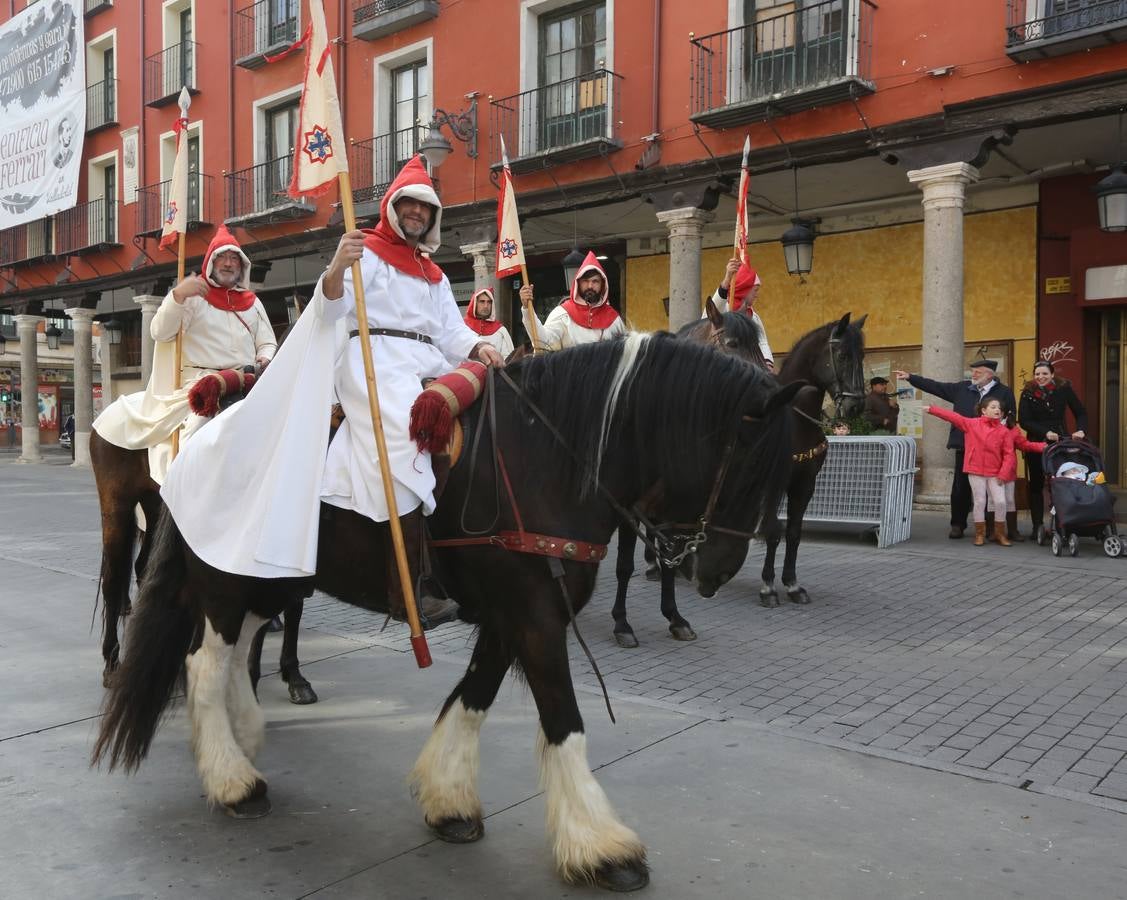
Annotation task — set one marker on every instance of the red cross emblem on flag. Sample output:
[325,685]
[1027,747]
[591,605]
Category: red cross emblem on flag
[318,144]
[508,248]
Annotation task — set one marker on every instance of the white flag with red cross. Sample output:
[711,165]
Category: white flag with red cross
[510,247]
[175,214]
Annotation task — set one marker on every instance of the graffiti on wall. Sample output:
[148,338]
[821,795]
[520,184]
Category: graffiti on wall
[1058,352]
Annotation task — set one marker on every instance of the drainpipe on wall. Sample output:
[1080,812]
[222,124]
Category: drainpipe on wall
[230,97]
[341,13]
[656,66]
[141,106]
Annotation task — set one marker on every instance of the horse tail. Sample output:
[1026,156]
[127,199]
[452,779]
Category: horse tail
[158,638]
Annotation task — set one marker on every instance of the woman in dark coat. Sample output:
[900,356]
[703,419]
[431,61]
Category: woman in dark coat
[1041,412]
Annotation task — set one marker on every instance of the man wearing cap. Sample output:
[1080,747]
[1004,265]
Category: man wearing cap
[881,411]
[480,320]
[965,397]
[583,318]
[224,326]
[415,330]
[737,292]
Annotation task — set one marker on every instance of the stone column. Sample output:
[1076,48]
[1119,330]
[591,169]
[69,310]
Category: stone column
[685,227]
[83,382]
[105,362]
[149,304]
[28,329]
[944,189]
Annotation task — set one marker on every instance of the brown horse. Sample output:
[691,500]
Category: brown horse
[123,481]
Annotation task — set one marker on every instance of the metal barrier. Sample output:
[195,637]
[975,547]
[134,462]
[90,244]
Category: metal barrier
[866,481]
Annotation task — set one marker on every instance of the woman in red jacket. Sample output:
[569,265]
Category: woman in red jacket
[989,458]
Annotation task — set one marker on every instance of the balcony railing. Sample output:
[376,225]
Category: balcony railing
[557,123]
[101,105]
[96,6]
[262,29]
[374,163]
[819,54]
[1040,28]
[152,202]
[372,19]
[25,243]
[168,71]
[88,226]
[260,192]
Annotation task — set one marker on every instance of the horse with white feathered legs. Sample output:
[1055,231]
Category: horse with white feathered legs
[548,487]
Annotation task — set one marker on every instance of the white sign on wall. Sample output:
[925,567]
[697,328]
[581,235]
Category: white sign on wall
[42,110]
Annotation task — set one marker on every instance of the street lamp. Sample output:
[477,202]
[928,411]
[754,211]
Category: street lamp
[798,247]
[1111,200]
[463,125]
[52,333]
[571,264]
[798,240]
[113,328]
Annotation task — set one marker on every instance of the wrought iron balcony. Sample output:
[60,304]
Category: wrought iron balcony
[152,203]
[96,6]
[821,53]
[26,243]
[259,194]
[1036,29]
[374,19]
[101,105]
[86,227]
[168,71]
[557,123]
[263,29]
[372,164]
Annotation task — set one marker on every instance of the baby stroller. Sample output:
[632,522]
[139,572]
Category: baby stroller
[1079,508]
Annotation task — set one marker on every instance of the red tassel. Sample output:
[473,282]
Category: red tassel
[432,425]
[203,396]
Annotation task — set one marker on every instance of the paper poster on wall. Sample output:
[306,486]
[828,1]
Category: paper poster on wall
[129,165]
[911,420]
[42,110]
[48,407]
[880,370]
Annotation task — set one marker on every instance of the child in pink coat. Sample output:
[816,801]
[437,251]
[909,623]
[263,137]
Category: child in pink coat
[989,459]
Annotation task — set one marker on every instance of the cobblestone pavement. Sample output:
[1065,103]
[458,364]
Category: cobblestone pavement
[1005,664]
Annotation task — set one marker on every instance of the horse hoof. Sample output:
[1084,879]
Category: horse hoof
[302,693]
[254,806]
[653,573]
[459,830]
[626,639]
[798,595]
[769,598]
[623,877]
[682,633]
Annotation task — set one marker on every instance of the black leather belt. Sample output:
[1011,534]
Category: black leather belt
[395,332]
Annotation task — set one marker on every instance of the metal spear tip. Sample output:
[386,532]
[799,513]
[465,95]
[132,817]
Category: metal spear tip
[184,101]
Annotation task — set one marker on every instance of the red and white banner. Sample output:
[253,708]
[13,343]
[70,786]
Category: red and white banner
[741,206]
[320,154]
[175,222]
[510,247]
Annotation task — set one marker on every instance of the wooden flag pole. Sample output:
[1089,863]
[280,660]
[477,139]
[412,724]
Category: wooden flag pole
[418,639]
[178,355]
[532,319]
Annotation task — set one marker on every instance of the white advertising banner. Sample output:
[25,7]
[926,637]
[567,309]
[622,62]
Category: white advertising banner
[42,110]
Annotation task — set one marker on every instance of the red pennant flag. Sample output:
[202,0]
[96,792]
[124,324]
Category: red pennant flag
[741,206]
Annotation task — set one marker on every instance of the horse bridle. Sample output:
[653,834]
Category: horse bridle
[838,393]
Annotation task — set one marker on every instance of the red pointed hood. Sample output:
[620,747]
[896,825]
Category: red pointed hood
[476,323]
[386,240]
[599,315]
[240,297]
[746,278]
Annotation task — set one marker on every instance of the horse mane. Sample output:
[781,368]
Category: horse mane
[739,325]
[852,343]
[676,403]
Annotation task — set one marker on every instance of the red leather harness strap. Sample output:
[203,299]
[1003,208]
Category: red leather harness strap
[530,542]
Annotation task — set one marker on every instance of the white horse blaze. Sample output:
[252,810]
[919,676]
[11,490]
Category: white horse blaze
[585,831]
[444,780]
[226,772]
[248,721]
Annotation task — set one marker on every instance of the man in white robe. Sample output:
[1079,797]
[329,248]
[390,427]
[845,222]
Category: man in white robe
[583,318]
[737,292]
[481,319]
[224,326]
[416,331]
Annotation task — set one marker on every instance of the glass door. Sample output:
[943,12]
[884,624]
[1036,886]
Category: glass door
[194,179]
[108,224]
[410,113]
[281,129]
[1113,404]
[573,87]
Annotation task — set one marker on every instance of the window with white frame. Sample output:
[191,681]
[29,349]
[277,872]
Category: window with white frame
[404,103]
[101,81]
[101,211]
[195,180]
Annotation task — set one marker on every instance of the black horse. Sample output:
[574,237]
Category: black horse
[732,333]
[831,359]
[626,416]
